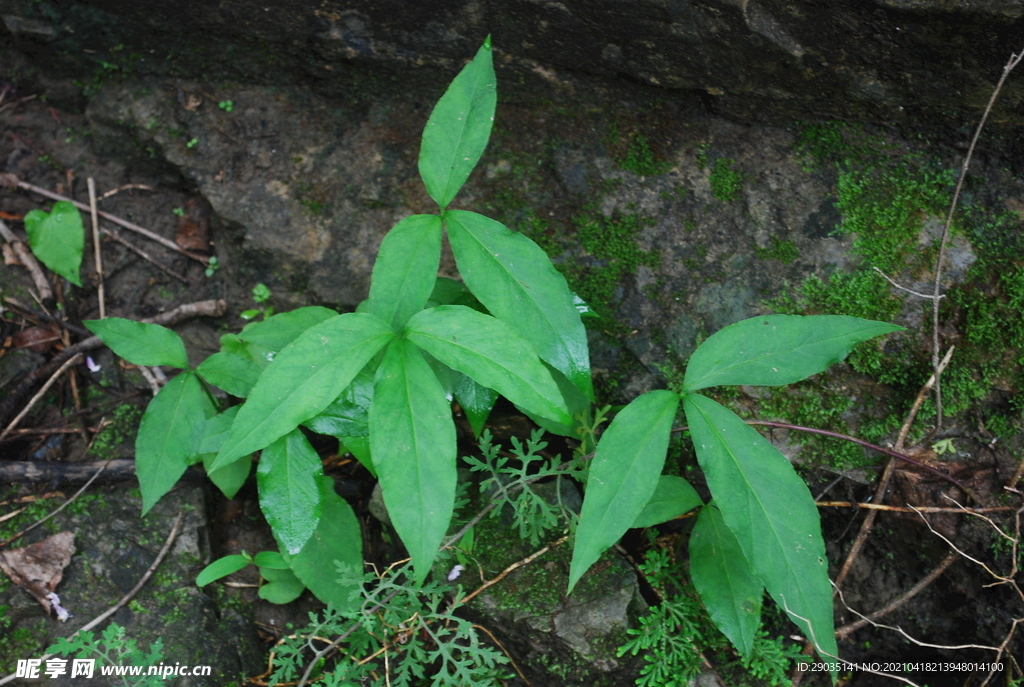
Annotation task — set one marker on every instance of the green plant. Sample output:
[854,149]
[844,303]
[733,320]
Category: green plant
[226,105]
[397,629]
[57,238]
[113,649]
[380,380]
[179,211]
[192,143]
[212,266]
[282,585]
[260,294]
[726,182]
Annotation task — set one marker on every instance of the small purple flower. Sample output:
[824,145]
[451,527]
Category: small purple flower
[62,613]
[454,574]
[91,364]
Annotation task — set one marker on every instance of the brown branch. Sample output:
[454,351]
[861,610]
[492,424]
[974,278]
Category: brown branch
[97,253]
[29,261]
[916,509]
[936,291]
[212,308]
[124,599]
[903,598]
[143,254]
[46,387]
[12,179]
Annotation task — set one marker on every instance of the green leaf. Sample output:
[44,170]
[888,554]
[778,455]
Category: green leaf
[234,374]
[282,586]
[672,497]
[222,567]
[490,352]
[516,281]
[412,442]
[274,333]
[406,269]
[347,415]
[770,511]
[476,401]
[337,540]
[303,380]
[272,560]
[623,476]
[724,580]
[288,478]
[57,238]
[170,434]
[777,349]
[450,292]
[230,478]
[140,343]
[360,448]
[575,400]
[458,128]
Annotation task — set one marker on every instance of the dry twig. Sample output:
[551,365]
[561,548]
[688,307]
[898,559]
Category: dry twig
[97,254]
[29,261]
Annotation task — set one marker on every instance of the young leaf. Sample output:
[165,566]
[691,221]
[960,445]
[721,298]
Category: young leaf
[170,435]
[516,281]
[282,586]
[476,401]
[303,379]
[458,128]
[450,292]
[222,567]
[623,476]
[406,269]
[288,478]
[724,580]
[272,560]
[672,497]
[770,511]
[337,540]
[274,333]
[235,374]
[57,238]
[412,442]
[230,478]
[490,352]
[360,448]
[777,349]
[140,343]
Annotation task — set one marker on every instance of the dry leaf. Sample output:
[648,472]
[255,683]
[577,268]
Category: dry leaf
[39,339]
[194,227]
[39,568]
[10,258]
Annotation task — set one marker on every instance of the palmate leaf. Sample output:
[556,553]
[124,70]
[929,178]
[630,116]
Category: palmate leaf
[140,343]
[57,238]
[513,277]
[288,477]
[304,378]
[406,269]
[458,128]
[724,580]
[771,513]
[489,351]
[623,476]
[412,442]
[777,349]
[170,436]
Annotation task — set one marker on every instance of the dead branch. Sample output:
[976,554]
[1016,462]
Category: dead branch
[212,308]
[29,261]
[46,387]
[97,253]
[919,509]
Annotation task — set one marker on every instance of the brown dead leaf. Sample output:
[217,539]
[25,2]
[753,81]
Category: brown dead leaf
[10,257]
[39,339]
[194,227]
[39,568]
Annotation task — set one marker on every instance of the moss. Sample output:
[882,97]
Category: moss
[20,643]
[782,250]
[641,160]
[123,425]
[726,182]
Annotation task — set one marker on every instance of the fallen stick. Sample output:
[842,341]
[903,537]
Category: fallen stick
[58,474]
[182,312]
[29,261]
[49,382]
[13,180]
[143,254]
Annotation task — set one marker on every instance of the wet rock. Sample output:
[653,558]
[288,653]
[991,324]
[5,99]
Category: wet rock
[115,548]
